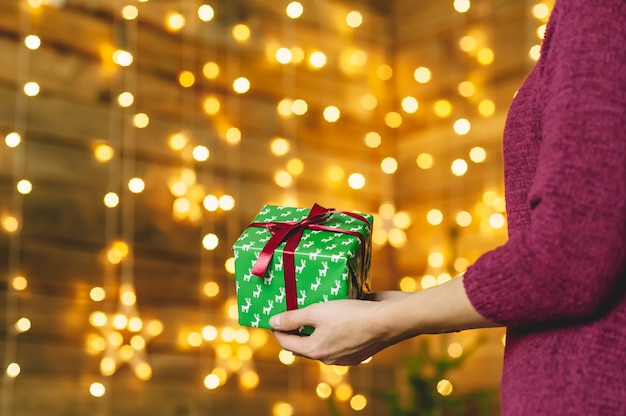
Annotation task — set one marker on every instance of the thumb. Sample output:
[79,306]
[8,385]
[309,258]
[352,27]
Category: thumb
[290,320]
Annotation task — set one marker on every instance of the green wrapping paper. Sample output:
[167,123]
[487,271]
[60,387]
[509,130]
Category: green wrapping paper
[329,262]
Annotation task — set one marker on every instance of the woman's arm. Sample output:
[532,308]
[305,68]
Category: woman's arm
[350,331]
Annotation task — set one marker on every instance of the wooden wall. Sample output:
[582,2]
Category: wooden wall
[66,229]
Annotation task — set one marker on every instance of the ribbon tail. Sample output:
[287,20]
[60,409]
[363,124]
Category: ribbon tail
[289,267]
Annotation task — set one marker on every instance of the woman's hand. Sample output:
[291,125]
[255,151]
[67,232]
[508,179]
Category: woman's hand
[346,331]
[350,331]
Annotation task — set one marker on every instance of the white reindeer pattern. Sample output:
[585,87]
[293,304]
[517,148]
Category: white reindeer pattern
[268,309]
[257,319]
[335,290]
[336,257]
[316,285]
[280,298]
[246,308]
[257,292]
[300,267]
[313,256]
[302,298]
[324,269]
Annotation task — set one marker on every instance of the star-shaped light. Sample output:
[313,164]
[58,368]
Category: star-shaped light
[125,336]
[234,348]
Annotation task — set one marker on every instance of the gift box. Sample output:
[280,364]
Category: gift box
[289,258]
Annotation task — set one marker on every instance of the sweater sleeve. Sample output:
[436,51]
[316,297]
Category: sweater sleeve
[570,263]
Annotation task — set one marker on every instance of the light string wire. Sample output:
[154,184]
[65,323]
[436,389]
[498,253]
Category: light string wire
[15,239]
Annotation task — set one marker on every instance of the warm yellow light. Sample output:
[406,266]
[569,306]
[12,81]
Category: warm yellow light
[461,264]
[428,281]
[186,79]
[436,259]
[107,366]
[408,284]
[10,224]
[541,10]
[369,102]
[317,59]
[497,221]
[379,236]
[111,200]
[295,166]
[13,139]
[211,105]
[389,165]
[455,350]
[24,187]
[19,283]
[422,75]
[354,19]
[462,6]
[242,336]
[233,135]
[32,42]
[241,32]
[485,56]
[175,21]
[297,54]
[393,119]
[209,333]
[228,334]
[358,402]
[410,104]
[31,89]
[283,179]
[486,107]
[206,13]
[285,107]
[466,89]
[134,325]
[97,389]
[141,120]
[211,70]
[13,370]
[443,108]
[464,218]
[467,43]
[384,72]
[286,357]
[444,387]
[210,241]
[478,154]
[200,153]
[97,294]
[282,409]
[212,381]
[123,58]
[120,321]
[396,237]
[459,167]
[98,319]
[425,161]
[136,185]
[210,203]
[331,114]
[343,392]
[336,173]
[241,85]
[211,289]
[130,12]
[128,297]
[541,31]
[323,390]
[356,181]
[443,278]
[229,265]
[22,325]
[284,56]
[194,339]
[299,107]
[294,9]
[401,220]
[434,217]
[387,210]
[535,52]
[373,139]
[143,371]
[249,380]
[462,126]
[125,99]
[155,327]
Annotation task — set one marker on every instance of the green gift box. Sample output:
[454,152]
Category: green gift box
[289,258]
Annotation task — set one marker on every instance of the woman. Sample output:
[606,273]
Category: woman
[558,284]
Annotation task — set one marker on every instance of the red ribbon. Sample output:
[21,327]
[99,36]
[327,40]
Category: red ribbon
[291,232]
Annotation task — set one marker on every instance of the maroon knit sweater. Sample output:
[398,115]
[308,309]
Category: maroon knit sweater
[558,283]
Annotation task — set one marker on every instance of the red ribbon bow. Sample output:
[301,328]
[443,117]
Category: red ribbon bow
[291,232]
